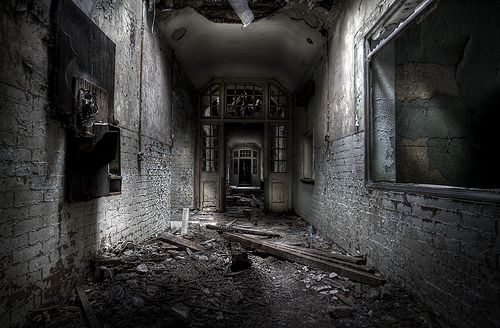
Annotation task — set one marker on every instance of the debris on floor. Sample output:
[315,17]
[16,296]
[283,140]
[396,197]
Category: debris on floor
[218,280]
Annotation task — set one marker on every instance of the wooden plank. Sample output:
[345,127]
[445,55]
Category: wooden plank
[324,256]
[87,309]
[341,257]
[242,230]
[288,254]
[180,242]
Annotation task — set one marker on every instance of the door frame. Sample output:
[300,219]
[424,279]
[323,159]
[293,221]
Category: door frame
[222,120]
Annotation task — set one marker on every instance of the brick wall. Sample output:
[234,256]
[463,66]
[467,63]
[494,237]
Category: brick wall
[46,243]
[445,251]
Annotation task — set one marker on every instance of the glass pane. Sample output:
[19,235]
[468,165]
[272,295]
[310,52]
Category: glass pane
[281,143]
[244,100]
[282,167]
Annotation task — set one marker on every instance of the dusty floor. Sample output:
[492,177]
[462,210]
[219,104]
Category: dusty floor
[156,285]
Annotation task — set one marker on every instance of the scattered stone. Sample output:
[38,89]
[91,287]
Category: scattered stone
[142,268]
[372,294]
[357,290]
[332,275]
[237,297]
[137,301]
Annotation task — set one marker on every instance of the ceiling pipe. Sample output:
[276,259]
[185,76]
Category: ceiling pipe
[243,11]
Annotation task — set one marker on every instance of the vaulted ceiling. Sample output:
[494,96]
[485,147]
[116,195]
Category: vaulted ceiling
[280,44]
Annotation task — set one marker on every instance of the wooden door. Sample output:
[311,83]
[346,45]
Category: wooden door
[278,187]
[210,167]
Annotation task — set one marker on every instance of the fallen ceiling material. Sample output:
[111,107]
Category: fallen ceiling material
[226,11]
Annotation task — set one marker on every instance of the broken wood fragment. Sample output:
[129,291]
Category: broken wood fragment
[87,309]
[208,241]
[325,256]
[231,223]
[345,258]
[242,230]
[288,254]
[180,242]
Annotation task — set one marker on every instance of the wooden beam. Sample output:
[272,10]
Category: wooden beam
[288,254]
[180,242]
[87,309]
[242,230]
[324,256]
[341,257]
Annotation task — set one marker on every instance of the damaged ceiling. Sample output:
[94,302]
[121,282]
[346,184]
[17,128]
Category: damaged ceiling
[208,39]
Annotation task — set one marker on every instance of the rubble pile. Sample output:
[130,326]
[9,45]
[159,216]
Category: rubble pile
[163,283]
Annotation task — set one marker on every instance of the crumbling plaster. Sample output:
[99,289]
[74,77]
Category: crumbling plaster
[210,50]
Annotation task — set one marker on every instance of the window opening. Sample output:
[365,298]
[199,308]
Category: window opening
[433,96]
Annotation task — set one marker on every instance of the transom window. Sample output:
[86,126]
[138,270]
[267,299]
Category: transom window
[210,101]
[244,100]
[245,153]
[278,102]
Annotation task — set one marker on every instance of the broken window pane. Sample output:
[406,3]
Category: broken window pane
[434,103]
[278,102]
[244,100]
[211,102]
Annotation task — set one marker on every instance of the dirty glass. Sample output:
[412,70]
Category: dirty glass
[210,101]
[278,102]
[244,100]
[278,142]
[209,153]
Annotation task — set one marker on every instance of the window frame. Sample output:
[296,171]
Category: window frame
[210,164]
[445,191]
[273,148]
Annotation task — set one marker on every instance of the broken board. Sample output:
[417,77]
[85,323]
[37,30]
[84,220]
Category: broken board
[180,242]
[291,255]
